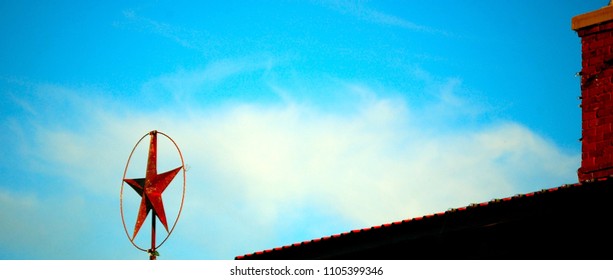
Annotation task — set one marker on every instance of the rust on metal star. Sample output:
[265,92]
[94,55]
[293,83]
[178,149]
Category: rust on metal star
[151,188]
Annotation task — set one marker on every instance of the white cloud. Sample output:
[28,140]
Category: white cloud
[184,85]
[42,227]
[274,173]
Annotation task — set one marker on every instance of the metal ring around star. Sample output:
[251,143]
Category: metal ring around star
[121,192]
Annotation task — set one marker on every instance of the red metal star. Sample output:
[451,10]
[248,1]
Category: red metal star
[151,187]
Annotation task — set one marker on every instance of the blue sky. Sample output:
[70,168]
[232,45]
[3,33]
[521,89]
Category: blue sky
[296,119]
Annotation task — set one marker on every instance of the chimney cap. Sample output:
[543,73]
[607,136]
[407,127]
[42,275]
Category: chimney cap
[592,18]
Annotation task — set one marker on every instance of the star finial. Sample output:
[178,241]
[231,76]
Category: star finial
[151,188]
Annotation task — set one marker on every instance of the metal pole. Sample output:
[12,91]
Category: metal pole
[152,254]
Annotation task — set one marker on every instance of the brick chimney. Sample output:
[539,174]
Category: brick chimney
[596,32]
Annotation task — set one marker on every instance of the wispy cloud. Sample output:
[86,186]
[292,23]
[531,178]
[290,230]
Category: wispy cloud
[184,85]
[360,10]
[188,38]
